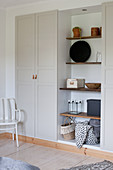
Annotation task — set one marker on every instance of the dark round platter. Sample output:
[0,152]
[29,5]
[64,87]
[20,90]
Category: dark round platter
[80,51]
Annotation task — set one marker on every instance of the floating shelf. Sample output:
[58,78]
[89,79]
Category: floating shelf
[80,63]
[82,89]
[82,115]
[84,37]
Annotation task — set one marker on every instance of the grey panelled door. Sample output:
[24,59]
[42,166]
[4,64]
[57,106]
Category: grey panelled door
[46,126]
[25,59]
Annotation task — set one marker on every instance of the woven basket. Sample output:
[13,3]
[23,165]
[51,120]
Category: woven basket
[69,136]
[68,131]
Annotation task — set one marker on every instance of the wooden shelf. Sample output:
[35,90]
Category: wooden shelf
[82,89]
[84,37]
[79,63]
[82,115]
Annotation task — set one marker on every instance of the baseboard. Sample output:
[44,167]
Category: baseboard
[61,146]
[3,135]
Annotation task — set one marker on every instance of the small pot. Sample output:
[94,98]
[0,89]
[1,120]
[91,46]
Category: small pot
[101,31]
[94,31]
[76,32]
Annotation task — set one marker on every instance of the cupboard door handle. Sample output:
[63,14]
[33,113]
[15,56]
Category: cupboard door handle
[36,76]
[33,76]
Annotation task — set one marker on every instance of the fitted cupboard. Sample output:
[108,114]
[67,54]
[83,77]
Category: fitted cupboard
[36,73]
[90,70]
[106,76]
[41,70]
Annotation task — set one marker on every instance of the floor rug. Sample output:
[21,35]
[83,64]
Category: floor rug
[105,165]
[11,164]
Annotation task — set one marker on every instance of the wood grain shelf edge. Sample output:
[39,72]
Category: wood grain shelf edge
[82,89]
[81,115]
[84,37]
[79,63]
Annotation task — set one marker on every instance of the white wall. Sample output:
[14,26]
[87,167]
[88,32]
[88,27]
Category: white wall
[85,22]
[10,30]
[2,51]
[91,73]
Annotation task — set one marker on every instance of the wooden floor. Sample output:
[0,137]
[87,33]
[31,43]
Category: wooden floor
[43,157]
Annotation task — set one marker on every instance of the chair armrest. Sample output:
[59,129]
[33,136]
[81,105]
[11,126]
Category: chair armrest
[20,115]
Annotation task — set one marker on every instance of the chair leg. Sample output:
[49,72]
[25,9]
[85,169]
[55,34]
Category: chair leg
[16,136]
[13,134]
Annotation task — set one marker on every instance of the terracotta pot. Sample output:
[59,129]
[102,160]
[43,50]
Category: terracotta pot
[76,32]
[94,31]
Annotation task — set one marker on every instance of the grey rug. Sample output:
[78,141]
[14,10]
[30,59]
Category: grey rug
[105,165]
[11,164]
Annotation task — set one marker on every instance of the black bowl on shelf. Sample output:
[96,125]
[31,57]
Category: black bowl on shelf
[80,51]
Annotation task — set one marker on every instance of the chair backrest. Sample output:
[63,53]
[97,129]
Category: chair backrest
[7,108]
